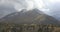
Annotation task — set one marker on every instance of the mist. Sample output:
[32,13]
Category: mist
[50,7]
[10,6]
[54,8]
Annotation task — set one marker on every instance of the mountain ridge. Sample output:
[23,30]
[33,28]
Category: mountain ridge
[29,17]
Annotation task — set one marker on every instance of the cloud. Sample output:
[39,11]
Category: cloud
[10,6]
[54,8]
[24,4]
[6,9]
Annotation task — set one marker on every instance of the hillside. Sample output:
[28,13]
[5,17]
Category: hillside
[33,16]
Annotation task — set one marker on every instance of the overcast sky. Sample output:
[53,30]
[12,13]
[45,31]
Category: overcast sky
[50,7]
[54,8]
[10,6]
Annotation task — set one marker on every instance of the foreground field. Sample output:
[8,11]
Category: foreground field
[29,28]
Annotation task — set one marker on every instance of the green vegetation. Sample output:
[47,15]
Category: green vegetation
[28,28]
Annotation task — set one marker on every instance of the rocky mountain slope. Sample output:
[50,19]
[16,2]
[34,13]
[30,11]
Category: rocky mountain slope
[33,16]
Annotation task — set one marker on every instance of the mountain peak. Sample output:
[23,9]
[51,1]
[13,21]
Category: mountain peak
[29,17]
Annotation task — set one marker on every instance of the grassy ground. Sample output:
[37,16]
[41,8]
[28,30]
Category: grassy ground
[28,28]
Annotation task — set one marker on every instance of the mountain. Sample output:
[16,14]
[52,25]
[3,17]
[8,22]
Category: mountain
[33,16]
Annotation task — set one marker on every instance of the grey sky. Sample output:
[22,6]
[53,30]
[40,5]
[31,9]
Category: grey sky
[50,7]
[10,6]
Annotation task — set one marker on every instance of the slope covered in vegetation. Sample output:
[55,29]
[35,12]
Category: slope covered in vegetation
[29,28]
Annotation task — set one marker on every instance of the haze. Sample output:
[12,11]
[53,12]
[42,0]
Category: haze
[50,7]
